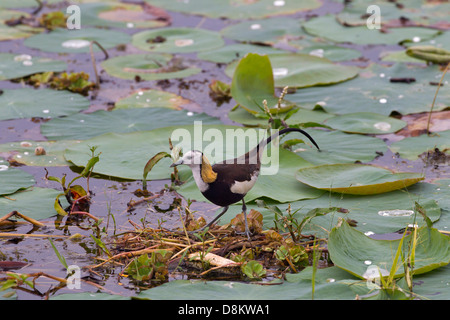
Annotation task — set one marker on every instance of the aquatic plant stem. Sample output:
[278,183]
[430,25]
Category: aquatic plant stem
[434,99]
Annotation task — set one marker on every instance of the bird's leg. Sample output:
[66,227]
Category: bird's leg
[244,210]
[214,220]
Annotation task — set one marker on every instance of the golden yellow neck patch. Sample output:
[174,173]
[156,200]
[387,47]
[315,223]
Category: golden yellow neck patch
[207,173]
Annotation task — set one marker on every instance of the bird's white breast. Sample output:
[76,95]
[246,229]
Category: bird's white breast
[202,185]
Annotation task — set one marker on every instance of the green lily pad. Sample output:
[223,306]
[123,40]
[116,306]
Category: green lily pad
[84,126]
[177,40]
[24,152]
[365,122]
[36,203]
[253,82]
[339,147]
[12,180]
[13,66]
[412,147]
[373,214]
[76,41]
[281,187]
[329,28]
[374,91]
[118,15]
[237,9]
[303,70]
[151,99]
[268,31]
[235,51]
[155,66]
[44,103]
[352,251]
[227,290]
[356,178]
[327,51]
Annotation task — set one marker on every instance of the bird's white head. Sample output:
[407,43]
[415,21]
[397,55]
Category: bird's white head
[191,158]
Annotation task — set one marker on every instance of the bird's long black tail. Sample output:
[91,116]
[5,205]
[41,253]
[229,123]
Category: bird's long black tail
[254,156]
[291,130]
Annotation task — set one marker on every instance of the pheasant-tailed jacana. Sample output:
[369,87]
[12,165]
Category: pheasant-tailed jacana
[227,182]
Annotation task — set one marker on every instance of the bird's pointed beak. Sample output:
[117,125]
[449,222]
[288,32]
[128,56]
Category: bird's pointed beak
[176,163]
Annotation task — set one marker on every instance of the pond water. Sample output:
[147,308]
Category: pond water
[111,197]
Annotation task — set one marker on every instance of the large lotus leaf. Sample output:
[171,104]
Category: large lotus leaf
[12,180]
[151,99]
[412,147]
[281,187]
[339,147]
[13,66]
[76,41]
[228,290]
[36,203]
[84,126]
[268,31]
[240,115]
[177,40]
[304,70]
[44,103]
[365,122]
[253,82]
[228,53]
[328,28]
[354,252]
[374,91]
[356,178]
[118,15]
[24,152]
[237,9]
[327,51]
[148,67]
[381,213]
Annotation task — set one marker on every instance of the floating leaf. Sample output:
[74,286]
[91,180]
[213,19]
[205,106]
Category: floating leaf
[412,147]
[354,252]
[149,67]
[268,31]
[356,178]
[43,103]
[153,99]
[25,152]
[36,203]
[328,28]
[339,147]
[228,53]
[13,66]
[365,122]
[119,15]
[177,40]
[76,41]
[378,89]
[12,180]
[304,70]
[240,9]
[84,126]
